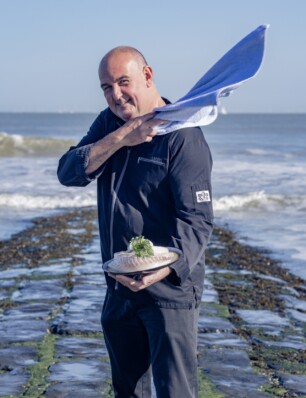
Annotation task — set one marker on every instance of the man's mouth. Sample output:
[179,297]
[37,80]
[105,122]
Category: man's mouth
[122,104]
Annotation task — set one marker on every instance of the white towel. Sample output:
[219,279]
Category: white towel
[199,106]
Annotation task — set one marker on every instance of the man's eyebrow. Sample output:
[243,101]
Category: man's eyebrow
[117,80]
[104,85]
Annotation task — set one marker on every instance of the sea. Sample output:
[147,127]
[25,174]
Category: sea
[259,176]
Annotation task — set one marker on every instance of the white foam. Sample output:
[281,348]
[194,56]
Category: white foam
[46,202]
[260,152]
[261,201]
[250,201]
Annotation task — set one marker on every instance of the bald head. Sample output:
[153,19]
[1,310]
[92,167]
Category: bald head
[127,83]
[132,52]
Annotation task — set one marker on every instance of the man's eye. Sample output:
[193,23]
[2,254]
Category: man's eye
[105,88]
[124,82]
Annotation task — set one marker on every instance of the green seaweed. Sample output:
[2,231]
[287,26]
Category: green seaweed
[37,383]
[206,387]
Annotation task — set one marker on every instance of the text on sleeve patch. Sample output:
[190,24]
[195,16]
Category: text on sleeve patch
[202,196]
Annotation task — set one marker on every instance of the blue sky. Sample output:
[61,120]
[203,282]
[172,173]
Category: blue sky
[50,49]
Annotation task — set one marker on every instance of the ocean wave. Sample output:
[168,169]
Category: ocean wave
[268,153]
[248,202]
[18,145]
[259,201]
[46,202]
[260,151]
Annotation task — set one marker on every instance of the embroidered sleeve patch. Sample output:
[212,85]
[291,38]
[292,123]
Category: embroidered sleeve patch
[202,196]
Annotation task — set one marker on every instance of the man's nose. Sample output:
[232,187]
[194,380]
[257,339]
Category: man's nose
[117,94]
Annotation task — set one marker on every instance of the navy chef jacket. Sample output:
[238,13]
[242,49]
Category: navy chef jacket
[161,190]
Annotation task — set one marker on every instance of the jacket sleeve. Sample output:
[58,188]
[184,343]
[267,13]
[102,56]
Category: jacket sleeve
[72,165]
[190,169]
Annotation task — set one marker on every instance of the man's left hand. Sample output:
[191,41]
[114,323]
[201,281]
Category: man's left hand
[146,280]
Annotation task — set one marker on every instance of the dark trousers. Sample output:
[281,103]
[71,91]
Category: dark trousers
[140,337]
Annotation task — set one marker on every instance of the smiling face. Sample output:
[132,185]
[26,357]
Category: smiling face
[126,82]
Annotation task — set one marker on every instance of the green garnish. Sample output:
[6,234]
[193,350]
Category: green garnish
[141,246]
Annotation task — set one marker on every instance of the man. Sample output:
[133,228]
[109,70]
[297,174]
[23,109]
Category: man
[157,186]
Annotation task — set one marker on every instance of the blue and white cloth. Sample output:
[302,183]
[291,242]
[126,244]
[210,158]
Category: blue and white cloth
[199,107]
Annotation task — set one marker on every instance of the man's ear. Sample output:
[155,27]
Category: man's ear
[148,73]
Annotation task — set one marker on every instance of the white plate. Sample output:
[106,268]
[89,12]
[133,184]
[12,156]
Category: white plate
[111,266]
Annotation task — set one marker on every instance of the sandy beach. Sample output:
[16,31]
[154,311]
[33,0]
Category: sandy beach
[251,339]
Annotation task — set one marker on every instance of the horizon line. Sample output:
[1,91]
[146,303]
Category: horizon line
[219,113]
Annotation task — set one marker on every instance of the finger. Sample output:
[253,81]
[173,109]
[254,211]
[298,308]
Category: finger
[147,116]
[155,122]
[126,281]
[156,276]
[161,121]
[150,278]
[132,284]
[152,133]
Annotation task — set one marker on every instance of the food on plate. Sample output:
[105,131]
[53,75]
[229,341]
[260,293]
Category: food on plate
[142,255]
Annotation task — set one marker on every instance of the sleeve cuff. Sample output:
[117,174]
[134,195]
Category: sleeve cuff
[82,155]
[180,272]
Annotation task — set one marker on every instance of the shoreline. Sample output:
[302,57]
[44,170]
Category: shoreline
[49,238]
[264,304]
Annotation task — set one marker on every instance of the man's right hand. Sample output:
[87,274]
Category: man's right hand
[139,130]
[133,132]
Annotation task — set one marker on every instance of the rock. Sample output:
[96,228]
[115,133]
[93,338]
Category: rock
[294,383]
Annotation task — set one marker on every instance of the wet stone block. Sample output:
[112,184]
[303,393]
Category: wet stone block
[41,290]
[294,383]
[64,390]
[265,320]
[285,343]
[214,323]
[297,315]
[15,273]
[14,356]
[83,313]
[4,295]
[271,278]
[210,295]
[80,347]
[221,339]
[8,283]
[92,267]
[210,359]
[208,284]
[93,279]
[262,318]
[12,383]
[237,384]
[90,372]
[82,316]
[21,331]
[93,292]
[293,302]
[28,311]
[243,393]
[94,257]
[58,269]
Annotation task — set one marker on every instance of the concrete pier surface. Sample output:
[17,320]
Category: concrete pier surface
[251,332]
